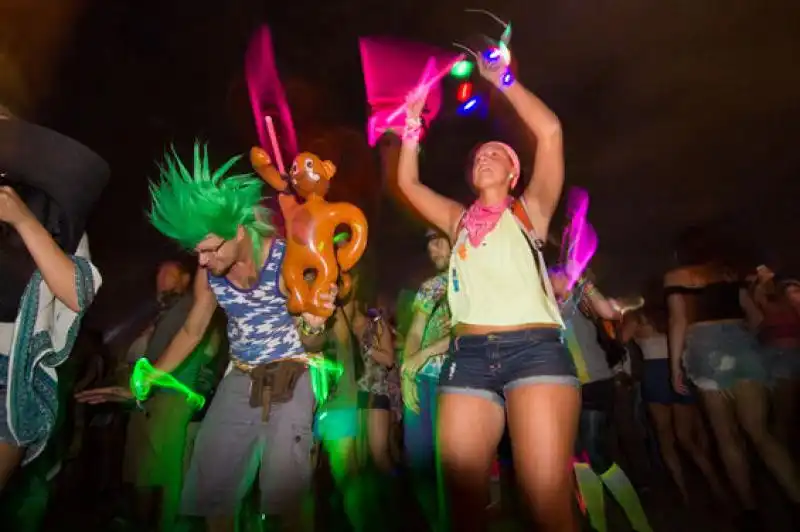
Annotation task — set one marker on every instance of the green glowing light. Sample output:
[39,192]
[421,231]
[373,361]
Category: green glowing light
[340,238]
[461,70]
[322,373]
[145,376]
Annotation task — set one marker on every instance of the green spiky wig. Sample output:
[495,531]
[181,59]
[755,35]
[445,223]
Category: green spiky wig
[190,206]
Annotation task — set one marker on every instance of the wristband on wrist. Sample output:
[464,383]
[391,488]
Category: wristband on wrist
[413,129]
[412,135]
[507,80]
[589,289]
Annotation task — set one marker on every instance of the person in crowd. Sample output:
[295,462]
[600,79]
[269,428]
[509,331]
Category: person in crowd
[506,362]
[360,343]
[48,186]
[376,350]
[595,469]
[426,343]
[779,333]
[711,346]
[676,418]
[157,432]
[261,417]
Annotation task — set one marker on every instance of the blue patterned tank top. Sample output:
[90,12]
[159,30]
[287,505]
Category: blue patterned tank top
[260,328]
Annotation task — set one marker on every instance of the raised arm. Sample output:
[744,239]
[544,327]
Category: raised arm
[544,188]
[438,210]
[194,328]
[56,267]
[754,313]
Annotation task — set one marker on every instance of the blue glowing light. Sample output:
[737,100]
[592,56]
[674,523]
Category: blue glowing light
[469,106]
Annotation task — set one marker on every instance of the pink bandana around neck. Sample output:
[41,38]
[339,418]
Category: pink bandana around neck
[480,219]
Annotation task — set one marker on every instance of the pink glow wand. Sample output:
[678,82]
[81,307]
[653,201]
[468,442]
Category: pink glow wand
[425,85]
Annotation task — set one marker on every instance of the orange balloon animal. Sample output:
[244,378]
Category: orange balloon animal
[310,228]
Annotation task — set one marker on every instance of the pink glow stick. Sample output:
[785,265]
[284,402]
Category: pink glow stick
[266,93]
[583,252]
[273,139]
[579,241]
[430,68]
[423,87]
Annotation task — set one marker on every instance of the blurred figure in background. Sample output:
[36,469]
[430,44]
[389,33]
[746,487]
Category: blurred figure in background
[711,346]
[426,345]
[48,186]
[676,418]
[779,333]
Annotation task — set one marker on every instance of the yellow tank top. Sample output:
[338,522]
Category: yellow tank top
[498,282]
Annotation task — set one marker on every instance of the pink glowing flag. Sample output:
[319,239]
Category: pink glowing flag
[268,98]
[392,69]
[430,77]
[579,240]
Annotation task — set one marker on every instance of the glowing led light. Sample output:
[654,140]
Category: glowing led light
[340,238]
[464,92]
[492,55]
[469,106]
[461,70]
[508,78]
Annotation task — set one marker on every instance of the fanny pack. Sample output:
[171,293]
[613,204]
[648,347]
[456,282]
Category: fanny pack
[274,383]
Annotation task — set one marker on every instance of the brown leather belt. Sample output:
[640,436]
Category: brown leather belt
[273,382]
[244,367]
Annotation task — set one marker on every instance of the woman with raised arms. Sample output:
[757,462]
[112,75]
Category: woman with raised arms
[507,359]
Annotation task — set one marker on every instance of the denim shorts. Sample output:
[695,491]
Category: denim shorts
[488,365]
[720,354]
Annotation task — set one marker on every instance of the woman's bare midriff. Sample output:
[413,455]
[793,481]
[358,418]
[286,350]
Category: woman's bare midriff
[467,329]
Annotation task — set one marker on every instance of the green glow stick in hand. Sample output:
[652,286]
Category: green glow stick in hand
[321,370]
[145,376]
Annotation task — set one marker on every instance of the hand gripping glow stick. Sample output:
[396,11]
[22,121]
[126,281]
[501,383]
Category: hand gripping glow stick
[145,376]
[273,139]
[425,86]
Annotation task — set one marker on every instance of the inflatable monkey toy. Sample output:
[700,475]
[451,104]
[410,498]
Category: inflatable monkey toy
[311,224]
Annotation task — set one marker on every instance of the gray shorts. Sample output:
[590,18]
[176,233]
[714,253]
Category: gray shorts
[233,445]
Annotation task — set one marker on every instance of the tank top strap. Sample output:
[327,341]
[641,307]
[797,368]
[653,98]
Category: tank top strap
[523,219]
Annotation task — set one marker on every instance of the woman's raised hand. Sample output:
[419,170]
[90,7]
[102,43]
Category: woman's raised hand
[494,64]
[415,102]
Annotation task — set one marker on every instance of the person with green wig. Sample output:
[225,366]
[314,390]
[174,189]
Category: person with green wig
[260,420]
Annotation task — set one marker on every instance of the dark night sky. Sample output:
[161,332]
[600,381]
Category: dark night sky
[674,112]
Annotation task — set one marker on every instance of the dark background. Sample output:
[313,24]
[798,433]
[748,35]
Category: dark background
[674,113]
